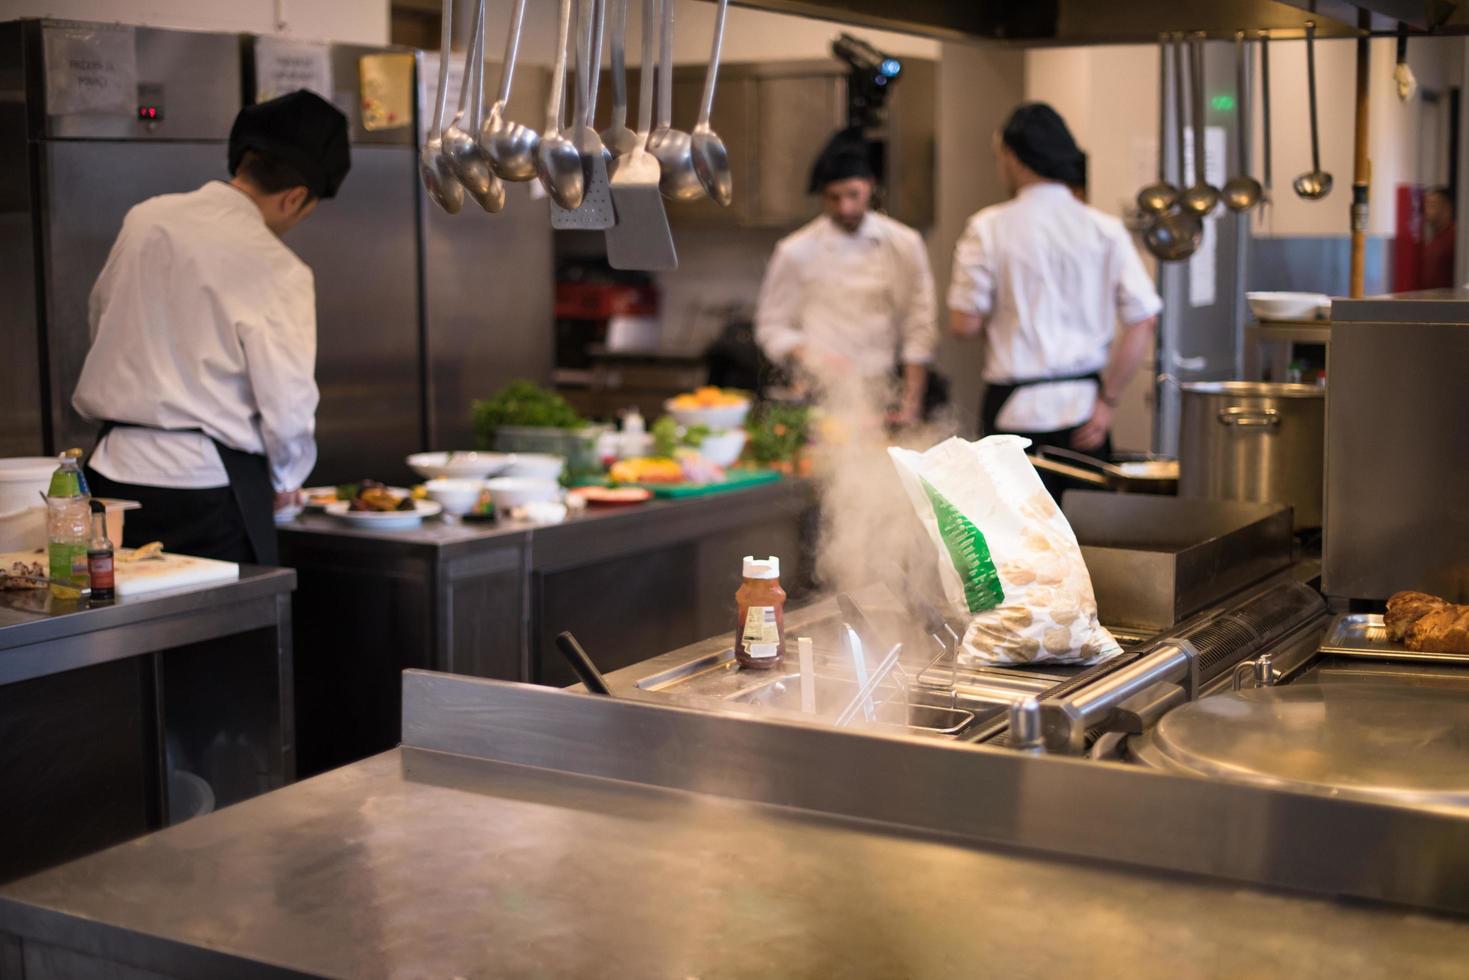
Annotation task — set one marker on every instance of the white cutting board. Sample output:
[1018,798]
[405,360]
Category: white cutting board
[169,571]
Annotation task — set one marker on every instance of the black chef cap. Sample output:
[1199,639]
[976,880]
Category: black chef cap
[301,130]
[1038,136]
[844,156]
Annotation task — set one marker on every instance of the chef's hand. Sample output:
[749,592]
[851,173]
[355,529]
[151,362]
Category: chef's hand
[1093,431]
[287,498]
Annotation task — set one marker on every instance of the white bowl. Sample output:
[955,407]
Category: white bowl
[721,417]
[457,497]
[533,466]
[723,448]
[514,491]
[457,465]
[1288,306]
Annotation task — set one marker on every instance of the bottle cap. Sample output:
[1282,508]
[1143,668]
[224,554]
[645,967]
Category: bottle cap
[762,567]
[74,453]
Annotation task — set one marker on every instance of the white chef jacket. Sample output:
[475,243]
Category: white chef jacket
[1053,276]
[201,319]
[866,296]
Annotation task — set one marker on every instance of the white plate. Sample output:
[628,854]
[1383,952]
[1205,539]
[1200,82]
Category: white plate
[386,520]
[457,465]
[1288,306]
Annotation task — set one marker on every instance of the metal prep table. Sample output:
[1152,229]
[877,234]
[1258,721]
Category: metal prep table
[524,831]
[487,599]
[98,703]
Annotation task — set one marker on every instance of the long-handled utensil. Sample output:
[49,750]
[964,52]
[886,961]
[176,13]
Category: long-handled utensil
[1266,187]
[558,164]
[1201,197]
[618,139]
[677,179]
[1241,192]
[1158,197]
[511,146]
[586,671]
[863,699]
[434,170]
[711,157]
[1315,183]
[595,212]
[641,238]
[474,169]
[1176,235]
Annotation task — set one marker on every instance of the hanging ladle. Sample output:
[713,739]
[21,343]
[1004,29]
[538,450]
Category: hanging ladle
[511,146]
[1241,192]
[1265,118]
[1201,197]
[711,158]
[1176,234]
[1317,183]
[617,138]
[677,179]
[471,162]
[558,164]
[1159,197]
[433,168]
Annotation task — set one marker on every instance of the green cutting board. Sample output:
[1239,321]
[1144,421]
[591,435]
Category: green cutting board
[736,479]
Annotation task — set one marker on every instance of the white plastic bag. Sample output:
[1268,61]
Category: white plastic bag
[1007,557]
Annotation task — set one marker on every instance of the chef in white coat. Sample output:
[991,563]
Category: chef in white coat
[203,351]
[1046,280]
[851,294]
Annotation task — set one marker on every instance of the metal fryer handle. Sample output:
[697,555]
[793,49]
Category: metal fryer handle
[1249,418]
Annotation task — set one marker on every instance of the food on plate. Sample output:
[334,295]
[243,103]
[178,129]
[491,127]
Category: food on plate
[1406,608]
[647,469]
[708,397]
[23,575]
[612,496]
[373,496]
[1427,624]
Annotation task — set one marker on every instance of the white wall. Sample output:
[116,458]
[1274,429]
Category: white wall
[358,21]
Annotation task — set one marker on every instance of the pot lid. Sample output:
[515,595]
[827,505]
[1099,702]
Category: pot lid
[1381,742]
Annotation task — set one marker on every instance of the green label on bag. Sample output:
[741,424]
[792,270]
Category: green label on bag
[969,552]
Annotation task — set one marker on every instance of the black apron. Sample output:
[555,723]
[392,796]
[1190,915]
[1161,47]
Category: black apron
[249,476]
[997,393]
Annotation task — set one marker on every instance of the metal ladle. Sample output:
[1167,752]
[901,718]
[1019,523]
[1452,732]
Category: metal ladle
[1176,235]
[1315,184]
[433,169]
[711,158]
[558,164]
[671,147]
[1201,197]
[1265,118]
[1241,192]
[1158,197]
[511,146]
[617,138]
[472,163]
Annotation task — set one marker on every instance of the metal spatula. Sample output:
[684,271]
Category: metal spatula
[641,238]
[596,211]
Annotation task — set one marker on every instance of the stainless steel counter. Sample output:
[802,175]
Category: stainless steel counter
[423,862]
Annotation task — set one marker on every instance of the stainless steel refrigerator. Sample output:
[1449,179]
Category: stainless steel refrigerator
[94,118]
[362,248]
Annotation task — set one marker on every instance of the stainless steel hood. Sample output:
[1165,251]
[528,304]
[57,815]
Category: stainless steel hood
[1069,22]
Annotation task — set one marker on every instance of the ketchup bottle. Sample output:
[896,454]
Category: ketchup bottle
[760,628]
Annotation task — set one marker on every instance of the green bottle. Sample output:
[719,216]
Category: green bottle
[68,524]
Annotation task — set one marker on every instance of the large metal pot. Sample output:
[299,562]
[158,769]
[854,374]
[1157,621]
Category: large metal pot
[1254,441]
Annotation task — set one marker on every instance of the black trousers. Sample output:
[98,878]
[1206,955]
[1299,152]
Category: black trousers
[207,523]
